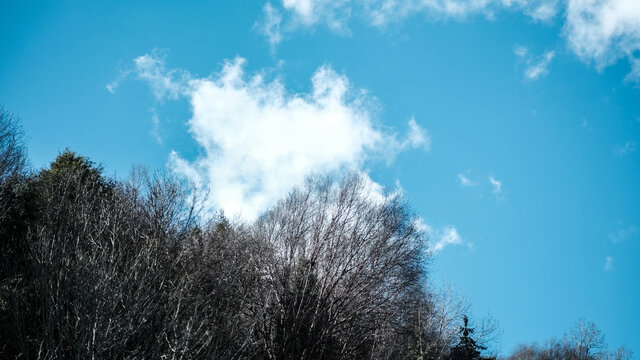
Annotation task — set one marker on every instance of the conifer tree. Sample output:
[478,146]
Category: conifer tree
[467,348]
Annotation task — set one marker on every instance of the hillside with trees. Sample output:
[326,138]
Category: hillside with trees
[98,268]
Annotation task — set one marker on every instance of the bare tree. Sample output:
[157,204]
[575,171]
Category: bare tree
[621,353]
[106,271]
[525,352]
[127,270]
[343,274]
[13,158]
[586,340]
[446,307]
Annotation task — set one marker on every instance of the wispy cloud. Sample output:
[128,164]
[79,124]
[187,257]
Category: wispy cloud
[164,84]
[622,233]
[465,181]
[521,52]
[535,66]
[308,13]
[417,137]
[540,66]
[608,263]
[497,186]
[445,237]
[382,12]
[440,238]
[598,31]
[269,26]
[544,11]
[628,147]
[634,74]
[112,86]
[336,14]
[155,130]
[259,140]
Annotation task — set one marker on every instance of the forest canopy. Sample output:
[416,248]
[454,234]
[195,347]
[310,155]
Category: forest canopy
[94,267]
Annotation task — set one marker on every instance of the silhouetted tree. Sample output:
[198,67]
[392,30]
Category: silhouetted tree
[583,342]
[467,347]
[14,214]
[94,268]
[13,155]
[343,274]
[14,209]
[586,340]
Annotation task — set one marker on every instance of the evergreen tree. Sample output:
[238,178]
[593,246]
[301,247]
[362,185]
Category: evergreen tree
[467,348]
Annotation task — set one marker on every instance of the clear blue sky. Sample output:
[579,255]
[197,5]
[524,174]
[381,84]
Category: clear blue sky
[511,127]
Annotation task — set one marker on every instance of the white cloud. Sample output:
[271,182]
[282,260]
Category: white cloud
[155,130]
[336,13]
[465,181]
[608,263]
[540,67]
[622,234]
[304,8]
[598,31]
[604,31]
[497,185]
[333,13]
[535,67]
[628,147]
[163,83]
[421,226]
[521,51]
[270,25]
[382,12]
[439,238]
[634,74]
[544,12]
[417,137]
[443,237]
[376,192]
[112,86]
[379,13]
[259,140]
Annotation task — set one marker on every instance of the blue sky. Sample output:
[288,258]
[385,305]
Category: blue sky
[512,127]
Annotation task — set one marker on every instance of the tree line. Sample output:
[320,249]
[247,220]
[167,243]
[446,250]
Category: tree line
[584,341]
[97,268]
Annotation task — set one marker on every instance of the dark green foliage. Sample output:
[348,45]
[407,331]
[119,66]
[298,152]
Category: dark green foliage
[467,348]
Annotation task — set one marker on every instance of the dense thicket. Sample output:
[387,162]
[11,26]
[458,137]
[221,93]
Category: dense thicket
[94,268]
[97,268]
